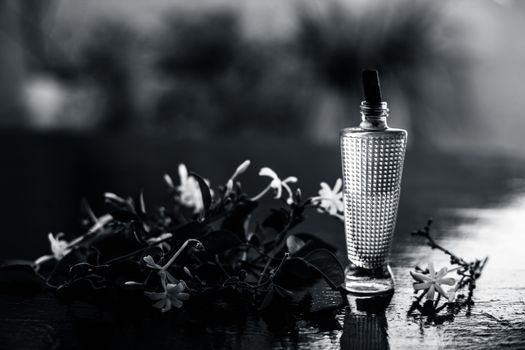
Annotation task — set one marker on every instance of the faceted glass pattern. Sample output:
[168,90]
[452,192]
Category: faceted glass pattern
[372,169]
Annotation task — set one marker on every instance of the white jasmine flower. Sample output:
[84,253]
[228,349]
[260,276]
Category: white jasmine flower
[276,184]
[330,200]
[239,171]
[173,295]
[59,247]
[432,281]
[173,290]
[189,191]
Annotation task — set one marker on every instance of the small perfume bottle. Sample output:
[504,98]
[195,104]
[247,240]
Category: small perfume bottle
[372,158]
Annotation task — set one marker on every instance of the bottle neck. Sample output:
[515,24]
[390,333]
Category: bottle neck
[373,116]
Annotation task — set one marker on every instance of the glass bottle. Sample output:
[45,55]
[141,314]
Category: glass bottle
[372,158]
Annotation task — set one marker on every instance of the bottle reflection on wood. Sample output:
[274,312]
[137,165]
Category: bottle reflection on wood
[365,325]
[372,158]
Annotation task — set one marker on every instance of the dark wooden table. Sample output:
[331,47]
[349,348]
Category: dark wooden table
[478,203]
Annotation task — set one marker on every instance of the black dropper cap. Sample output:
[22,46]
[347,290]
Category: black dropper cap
[371,86]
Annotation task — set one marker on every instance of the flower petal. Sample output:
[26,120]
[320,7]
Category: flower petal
[338,185]
[278,191]
[449,281]
[151,263]
[340,206]
[229,186]
[183,296]
[431,270]
[159,304]
[325,189]
[290,180]
[442,272]
[332,207]
[155,295]
[133,284]
[168,181]
[176,302]
[101,222]
[167,306]
[175,288]
[183,173]
[161,237]
[431,292]
[288,190]
[422,285]
[268,172]
[241,168]
[43,258]
[420,277]
[441,290]
[451,295]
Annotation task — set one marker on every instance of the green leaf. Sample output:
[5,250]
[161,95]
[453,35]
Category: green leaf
[219,241]
[123,215]
[327,264]
[192,229]
[294,244]
[277,220]
[295,273]
[311,243]
[268,298]
[235,221]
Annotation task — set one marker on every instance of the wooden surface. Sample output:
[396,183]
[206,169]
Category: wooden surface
[478,203]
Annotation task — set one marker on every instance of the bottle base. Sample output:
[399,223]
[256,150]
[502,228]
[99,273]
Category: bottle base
[359,280]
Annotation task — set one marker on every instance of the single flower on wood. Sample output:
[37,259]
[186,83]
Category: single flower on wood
[433,282]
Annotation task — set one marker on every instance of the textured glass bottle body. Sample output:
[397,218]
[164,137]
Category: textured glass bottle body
[372,168]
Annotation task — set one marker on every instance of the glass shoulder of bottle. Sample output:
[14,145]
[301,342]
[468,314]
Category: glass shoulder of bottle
[355,131]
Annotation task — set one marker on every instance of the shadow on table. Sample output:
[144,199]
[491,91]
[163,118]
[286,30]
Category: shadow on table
[365,325]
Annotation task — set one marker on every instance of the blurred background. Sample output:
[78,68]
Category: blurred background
[452,70]
[107,95]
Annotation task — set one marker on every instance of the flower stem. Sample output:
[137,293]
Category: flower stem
[263,192]
[425,232]
[177,253]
